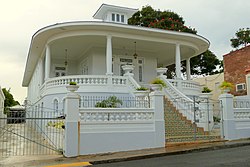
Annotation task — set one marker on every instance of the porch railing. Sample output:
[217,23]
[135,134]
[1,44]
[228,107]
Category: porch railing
[90,80]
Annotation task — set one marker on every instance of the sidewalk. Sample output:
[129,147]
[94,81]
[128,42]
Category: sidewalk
[171,149]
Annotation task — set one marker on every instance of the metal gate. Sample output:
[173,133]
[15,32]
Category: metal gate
[31,133]
[206,112]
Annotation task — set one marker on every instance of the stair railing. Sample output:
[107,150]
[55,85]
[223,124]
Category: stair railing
[183,103]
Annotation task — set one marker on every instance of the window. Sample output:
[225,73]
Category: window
[55,105]
[240,87]
[117,17]
[140,65]
[113,17]
[122,18]
[60,71]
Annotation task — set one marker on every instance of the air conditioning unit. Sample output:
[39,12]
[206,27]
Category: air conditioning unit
[240,87]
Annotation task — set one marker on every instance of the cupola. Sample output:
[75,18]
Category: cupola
[116,14]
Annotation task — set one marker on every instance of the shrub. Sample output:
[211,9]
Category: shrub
[111,102]
[142,88]
[72,83]
[159,81]
[226,85]
[206,90]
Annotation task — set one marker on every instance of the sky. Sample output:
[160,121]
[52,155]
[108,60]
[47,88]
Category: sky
[216,20]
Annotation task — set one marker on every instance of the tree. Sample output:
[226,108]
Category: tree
[148,17]
[205,63]
[9,100]
[242,38]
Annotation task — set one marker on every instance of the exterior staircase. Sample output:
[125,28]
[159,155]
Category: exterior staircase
[179,129]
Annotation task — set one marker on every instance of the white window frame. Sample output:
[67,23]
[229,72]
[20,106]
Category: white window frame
[241,84]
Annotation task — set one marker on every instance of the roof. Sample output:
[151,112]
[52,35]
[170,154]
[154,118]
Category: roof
[238,50]
[104,8]
[51,33]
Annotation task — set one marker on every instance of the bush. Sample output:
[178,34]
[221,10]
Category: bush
[159,81]
[142,88]
[72,83]
[206,90]
[111,102]
[226,85]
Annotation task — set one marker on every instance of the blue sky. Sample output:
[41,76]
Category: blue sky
[216,20]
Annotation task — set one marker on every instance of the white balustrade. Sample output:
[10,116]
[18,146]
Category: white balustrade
[115,115]
[241,107]
[91,80]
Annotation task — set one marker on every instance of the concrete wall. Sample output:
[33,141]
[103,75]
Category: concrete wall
[92,132]
[235,116]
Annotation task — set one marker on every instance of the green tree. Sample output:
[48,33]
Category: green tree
[9,99]
[205,63]
[242,38]
[148,17]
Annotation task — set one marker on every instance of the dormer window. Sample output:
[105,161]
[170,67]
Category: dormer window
[117,17]
[122,18]
[111,13]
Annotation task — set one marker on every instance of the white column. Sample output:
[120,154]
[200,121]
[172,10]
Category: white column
[47,62]
[178,61]
[157,104]
[228,122]
[109,55]
[72,125]
[188,70]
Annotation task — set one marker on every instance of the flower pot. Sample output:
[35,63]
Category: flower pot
[139,93]
[72,88]
[160,71]
[226,90]
[156,87]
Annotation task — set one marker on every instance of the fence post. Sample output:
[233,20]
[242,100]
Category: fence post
[228,122]
[157,104]
[71,143]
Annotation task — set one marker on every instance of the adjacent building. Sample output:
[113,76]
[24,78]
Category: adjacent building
[236,67]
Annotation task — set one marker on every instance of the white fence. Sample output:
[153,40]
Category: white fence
[91,130]
[235,116]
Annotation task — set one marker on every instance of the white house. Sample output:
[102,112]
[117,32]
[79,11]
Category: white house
[94,54]
[90,52]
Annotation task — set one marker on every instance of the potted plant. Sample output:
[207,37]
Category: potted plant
[161,70]
[157,84]
[206,92]
[72,87]
[226,86]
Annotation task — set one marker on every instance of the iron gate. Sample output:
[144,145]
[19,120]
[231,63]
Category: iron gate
[31,133]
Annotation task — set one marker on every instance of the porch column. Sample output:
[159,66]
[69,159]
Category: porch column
[178,61]
[188,70]
[109,55]
[47,62]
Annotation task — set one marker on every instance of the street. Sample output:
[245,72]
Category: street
[239,156]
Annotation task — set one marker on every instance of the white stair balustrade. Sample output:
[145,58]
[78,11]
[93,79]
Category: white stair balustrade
[184,104]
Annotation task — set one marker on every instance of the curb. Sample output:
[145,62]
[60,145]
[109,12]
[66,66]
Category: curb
[209,148]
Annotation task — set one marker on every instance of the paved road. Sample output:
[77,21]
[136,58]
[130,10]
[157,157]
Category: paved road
[232,157]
